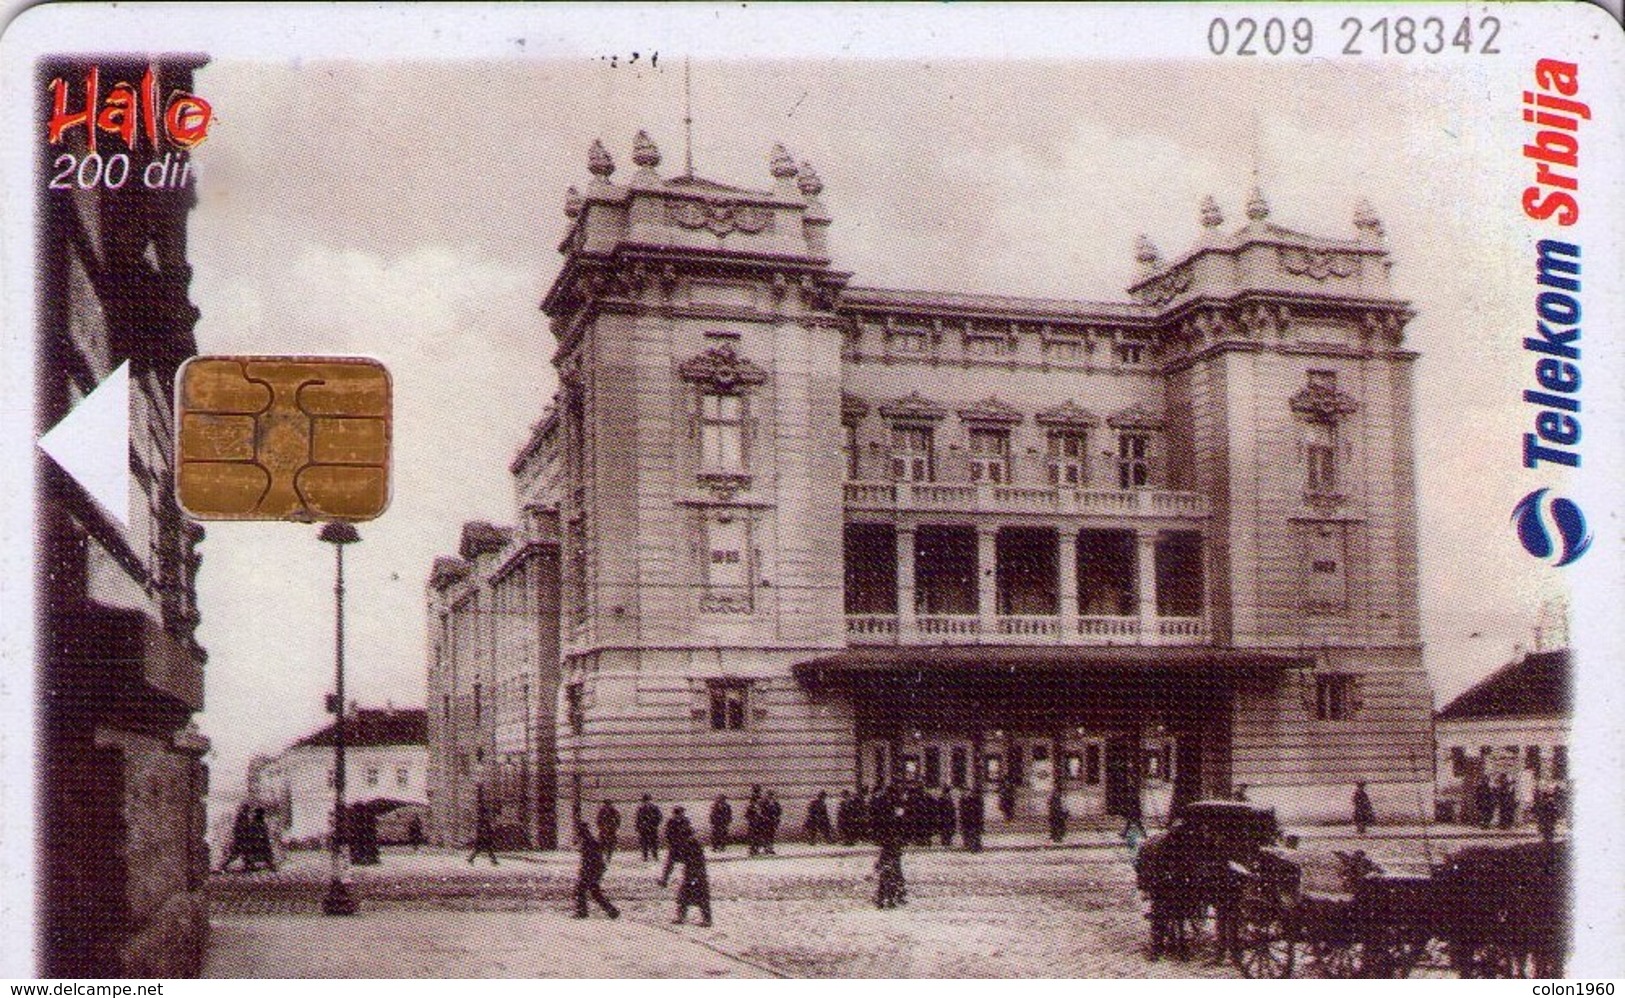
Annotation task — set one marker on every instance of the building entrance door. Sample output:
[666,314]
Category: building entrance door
[1122,775]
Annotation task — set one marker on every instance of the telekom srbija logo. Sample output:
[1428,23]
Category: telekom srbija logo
[1538,518]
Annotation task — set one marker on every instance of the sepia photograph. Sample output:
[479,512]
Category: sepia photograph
[889,492]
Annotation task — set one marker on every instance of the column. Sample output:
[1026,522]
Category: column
[1066,560]
[1146,566]
[906,631]
[987,579]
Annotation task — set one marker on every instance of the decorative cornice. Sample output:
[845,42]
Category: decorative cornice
[913,406]
[1067,414]
[1135,417]
[1317,264]
[1324,405]
[722,369]
[720,217]
[991,410]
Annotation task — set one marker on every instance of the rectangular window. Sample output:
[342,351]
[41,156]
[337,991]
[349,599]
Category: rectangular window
[1074,766]
[729,702]
[575,708]
[331,782]
[372,776]
[989,455]
[722,433]
[1130,352]
[908,339]
[959,766]
[1068,450]
[1334,698]
[403,776]
[911,454]
[849,451]
[1320,456]
[933,766]
[1133,461]
[1458,761]
[1560,762]
[1531,759]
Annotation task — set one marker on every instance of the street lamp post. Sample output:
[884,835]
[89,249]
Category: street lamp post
[338,900]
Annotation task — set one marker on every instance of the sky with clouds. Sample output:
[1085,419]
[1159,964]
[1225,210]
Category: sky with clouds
[411,211]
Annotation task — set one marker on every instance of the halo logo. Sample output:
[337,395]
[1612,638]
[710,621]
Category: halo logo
[1534,517]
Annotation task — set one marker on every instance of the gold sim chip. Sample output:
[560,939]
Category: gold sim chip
[283,438]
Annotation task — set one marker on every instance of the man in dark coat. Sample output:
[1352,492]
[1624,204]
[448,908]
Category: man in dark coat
[722,819]
[414,833]
[889,820]
[772,814]
[1506,802]
[257,849]
[1484,802]
[1545,808]
[860,815]
[678,825]
[609,830]
[695,887]
[755,837]
[1057,816]
[647,823]
[1007,799]
[947,817]
[1364,814]
[817,824]
[484,837]
[589,879]
[970,819]
[843,819]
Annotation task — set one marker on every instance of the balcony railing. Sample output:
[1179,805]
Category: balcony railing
[1023,629]
[985,497]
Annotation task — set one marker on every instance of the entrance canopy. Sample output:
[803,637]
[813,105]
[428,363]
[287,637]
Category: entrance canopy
[890,664]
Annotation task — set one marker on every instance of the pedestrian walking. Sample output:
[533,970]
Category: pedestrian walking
[890,829]
[1484,802]
[1007,799]
[1545,808]
[484,837]
[256,848]
[817,826]
[970,819]
[609,830]
[677,826]
[755,836]
[414,833]
[772,814]
[590,876]
[646,821]
[947,813]
[1506,802]
[694,889]
[722,819]
[1364,814]
[1057,816]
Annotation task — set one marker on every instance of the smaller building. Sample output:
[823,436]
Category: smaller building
[386,759]
[1515,724]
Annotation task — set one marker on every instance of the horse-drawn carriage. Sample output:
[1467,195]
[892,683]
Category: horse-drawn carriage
[1485,912]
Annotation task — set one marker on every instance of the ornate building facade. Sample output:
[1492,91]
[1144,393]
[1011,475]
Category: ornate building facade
[121,779]
[816,535]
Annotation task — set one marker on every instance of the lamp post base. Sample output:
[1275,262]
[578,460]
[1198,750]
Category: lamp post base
[339,900]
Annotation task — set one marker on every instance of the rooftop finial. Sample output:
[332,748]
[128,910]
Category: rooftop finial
[599,162]
[572,203]
[809,181]
[688,122]
[1212,217]
[1366,220]
[1257,208]
[783,166]
[644,151]
[1145,251]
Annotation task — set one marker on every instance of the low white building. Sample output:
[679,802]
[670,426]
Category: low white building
[1514,723]
[386,759]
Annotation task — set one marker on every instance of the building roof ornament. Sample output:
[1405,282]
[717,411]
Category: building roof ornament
[1067,415]
[913,406]
[1145,253]
[1135,417]
[1211,216]
[782,166]
[722,370]
[991,410]
[1366,220]
[599,162]
[573,202]
[1257,208]
[644,151]
[809,181]
[446,571]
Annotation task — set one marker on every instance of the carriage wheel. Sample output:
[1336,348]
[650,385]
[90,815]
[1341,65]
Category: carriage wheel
[1265,949]
[1333,960]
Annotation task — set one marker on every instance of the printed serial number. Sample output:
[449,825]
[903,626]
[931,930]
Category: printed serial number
[1384,36]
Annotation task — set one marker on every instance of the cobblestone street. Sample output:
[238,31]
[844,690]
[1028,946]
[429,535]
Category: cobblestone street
[1008,912]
